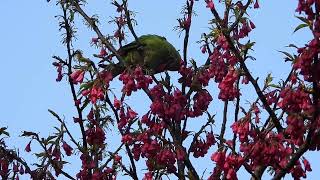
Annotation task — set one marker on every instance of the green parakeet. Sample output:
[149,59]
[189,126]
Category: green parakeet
[152,52]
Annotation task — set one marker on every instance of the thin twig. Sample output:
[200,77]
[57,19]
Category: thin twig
[67,130]
[111,157]
[70,57]
[92,23]
[129,23]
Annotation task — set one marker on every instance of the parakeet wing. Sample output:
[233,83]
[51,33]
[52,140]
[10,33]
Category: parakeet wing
[159,54]
[153,52]
[132,53]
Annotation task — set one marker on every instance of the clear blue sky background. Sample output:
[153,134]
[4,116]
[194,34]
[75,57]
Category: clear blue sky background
[29,37]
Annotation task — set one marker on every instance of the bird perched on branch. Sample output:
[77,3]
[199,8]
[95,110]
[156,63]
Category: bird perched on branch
[152,52]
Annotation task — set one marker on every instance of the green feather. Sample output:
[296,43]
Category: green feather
[154,53]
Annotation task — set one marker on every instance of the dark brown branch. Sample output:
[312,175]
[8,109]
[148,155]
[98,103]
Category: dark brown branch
[278,98]
[186,39]
[65,126]
[12,155]
[315,98]
[198,134]
[243,66]
[70,57]
[221,136]
[294,158]
[191,168]
[92,23]
[236,114]
[60,60]
[133,172]
[236,22]
[51,161]
[129,23]
[223,126]
[111,157]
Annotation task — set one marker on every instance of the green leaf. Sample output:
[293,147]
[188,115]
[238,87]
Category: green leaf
[71,15]
[287,54]
[167,78]
[249,45]
[85,104]
[274,86]
[3,131]
[51,142]
[292,45]
[86,85]
[303,19]
[28,133]
[57,129]
[300,26]
[64,162]
[236,12]
[269,79]
[194,63]
[84,60]
[53,113]
[40,154]
[51,137]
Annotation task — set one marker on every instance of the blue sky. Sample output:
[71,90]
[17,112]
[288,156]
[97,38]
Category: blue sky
[29,37]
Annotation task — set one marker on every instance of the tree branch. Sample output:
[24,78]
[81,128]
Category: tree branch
[92,23]
[243,66]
